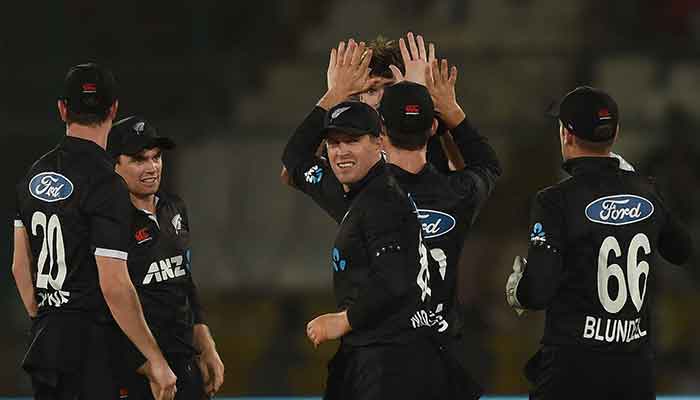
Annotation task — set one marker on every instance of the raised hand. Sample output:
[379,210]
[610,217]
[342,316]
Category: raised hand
[415,59]
[348,68]
[441,81]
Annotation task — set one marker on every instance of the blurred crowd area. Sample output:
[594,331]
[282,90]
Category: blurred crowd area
[230,81]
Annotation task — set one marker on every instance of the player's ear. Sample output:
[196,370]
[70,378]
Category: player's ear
[433,127]
[62,110]
[113,110]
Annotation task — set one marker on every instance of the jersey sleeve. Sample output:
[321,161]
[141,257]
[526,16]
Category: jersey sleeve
[192,291]
[309,173]
[543,273]
[110,214]
[477,180]
[392,237]
[18,223]
[675,242]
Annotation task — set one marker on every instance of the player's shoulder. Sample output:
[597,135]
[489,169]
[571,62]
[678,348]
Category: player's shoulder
[173,201]
[555,195]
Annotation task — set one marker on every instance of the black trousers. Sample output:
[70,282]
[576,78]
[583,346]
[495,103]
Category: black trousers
[69,358]
[560,372]
[421,370]
[190,385]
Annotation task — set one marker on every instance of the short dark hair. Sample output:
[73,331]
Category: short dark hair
[599,147]
[406,141]
[385,52]
[87,119]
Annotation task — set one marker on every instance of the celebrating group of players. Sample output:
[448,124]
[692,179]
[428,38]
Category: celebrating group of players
[391,157]
[403,215]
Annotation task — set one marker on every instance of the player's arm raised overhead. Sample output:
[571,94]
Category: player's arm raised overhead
[21,268]
[110,217]
[481,166]
[303,169]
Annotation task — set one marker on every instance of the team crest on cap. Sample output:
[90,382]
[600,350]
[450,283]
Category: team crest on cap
[339,111]
[139,127]
[411,109]
[89,87]
[604,113]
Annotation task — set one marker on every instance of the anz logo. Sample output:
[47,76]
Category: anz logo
[435,223]
[163,270]
[620,209]
[50,187]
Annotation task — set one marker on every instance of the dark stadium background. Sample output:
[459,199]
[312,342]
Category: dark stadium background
[230,80]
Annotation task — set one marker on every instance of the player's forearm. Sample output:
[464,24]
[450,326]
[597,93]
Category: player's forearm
[541,279]
[23,279]
[449,147]
[305,140]
[203,341]
[475,148]
[124,304]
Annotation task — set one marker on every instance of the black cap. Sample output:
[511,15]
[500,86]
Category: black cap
[89,89]
[132,134]
[407,108]
[585,109]
[353,117]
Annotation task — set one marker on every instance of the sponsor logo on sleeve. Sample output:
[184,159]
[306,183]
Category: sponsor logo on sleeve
[314,175]
[538,234]
[336,261]
[435,223]
[50,187]
[620,209]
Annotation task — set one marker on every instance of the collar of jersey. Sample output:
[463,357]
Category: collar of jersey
[578,165]
[83,145]
[357,187]
[403,174]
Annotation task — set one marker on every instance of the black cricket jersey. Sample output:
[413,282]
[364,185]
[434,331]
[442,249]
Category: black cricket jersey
[74,207]
[448,203]
[160,267]
[595,239]
[375,259]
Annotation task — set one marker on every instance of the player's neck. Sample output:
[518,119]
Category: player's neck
[575,152]
[94,134]
[412,161]
[144,202]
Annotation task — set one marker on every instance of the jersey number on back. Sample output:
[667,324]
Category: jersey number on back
[634,272]
[424,274]
[52,248]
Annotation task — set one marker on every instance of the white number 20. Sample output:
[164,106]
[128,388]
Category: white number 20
[53,239]
[634,271]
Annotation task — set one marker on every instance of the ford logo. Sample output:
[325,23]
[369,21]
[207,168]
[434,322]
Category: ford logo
[50,187]
[435,223]
[621,209]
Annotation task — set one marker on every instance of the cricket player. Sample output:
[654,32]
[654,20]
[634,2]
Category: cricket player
[375,258]
[592,261]
[160,267]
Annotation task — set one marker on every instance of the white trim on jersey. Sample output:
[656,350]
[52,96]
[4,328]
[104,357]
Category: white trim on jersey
[19,223]
[122,255]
